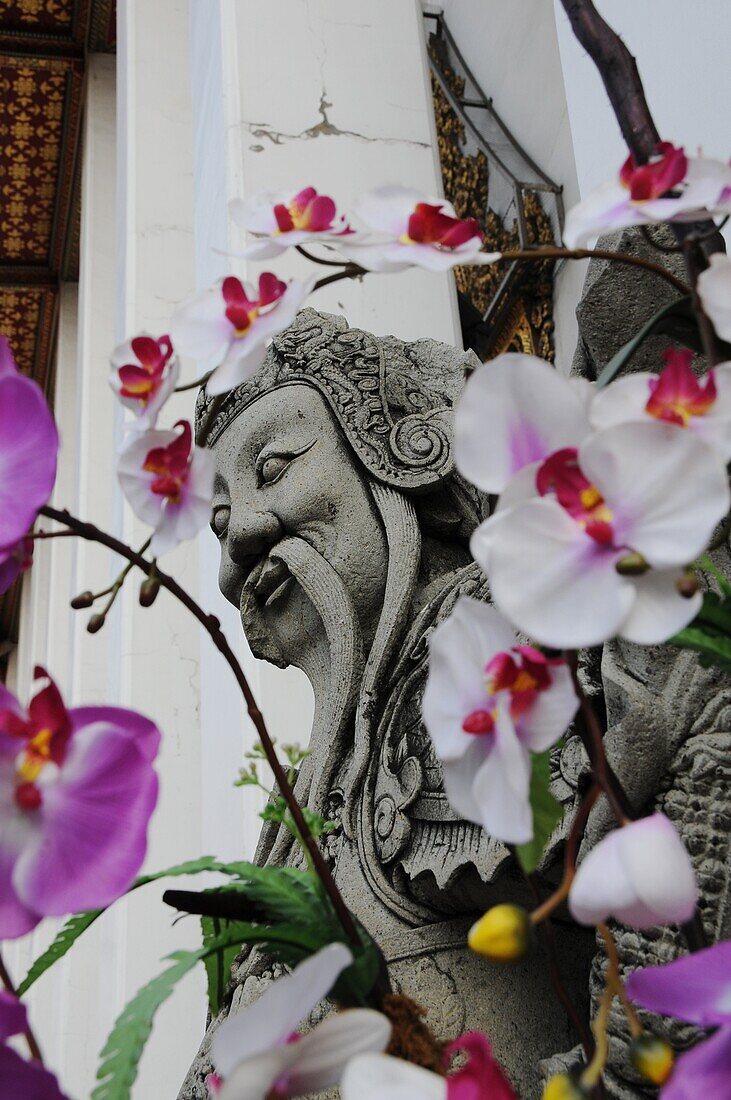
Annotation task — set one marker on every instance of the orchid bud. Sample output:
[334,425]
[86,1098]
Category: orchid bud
[564,1087]
[503,934]
[688,584]
[652,1057]
[149,590]
[84,599]
[632,565]
[95,623]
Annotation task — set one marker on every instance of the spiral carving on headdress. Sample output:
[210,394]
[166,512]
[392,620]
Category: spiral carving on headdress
[420,442]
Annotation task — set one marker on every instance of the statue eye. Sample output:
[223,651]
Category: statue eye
[272,468]
[219,520]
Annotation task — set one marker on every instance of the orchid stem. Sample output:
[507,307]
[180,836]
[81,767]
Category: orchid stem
[705,328]
[350,271]
[572,847]
[615,983]
[30,1038]
[593,1072]
[536,254]
[51,535]
[317,259]
[194,385]
[212,627]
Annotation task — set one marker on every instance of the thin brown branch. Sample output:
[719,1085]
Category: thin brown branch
[317,259]
[350,271]
[705,328]
[28,1035]
[536,254]
[212,627]
[194,385]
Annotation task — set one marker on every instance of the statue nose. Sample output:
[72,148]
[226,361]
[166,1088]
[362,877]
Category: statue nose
[250,534]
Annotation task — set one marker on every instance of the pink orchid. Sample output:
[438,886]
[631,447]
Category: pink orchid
[671,187]
[169,483]
[15,560]
[594,541]
[714,290]
[414,231]
[697,989]
[77,789]
[279,222]
[257,1053]
[144,374]
[21,1079]
[388,1078]
[676,396]
[234,320]
[640,874]
[488,703]
[28,450]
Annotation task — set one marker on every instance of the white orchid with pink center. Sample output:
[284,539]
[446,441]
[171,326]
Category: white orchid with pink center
[640,874]
[77,789]
[233,320]
[489,701]
[413,230]
[279,222]
[258,1053]
[593,533]
[675,396]
[169,483]
[714,291]
[670,187]
[144,373]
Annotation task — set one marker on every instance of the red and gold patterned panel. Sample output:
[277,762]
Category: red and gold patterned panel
[38,16]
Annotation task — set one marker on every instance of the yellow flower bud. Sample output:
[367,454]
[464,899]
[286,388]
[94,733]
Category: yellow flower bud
[503,934]
[652,1057]
[563,1087]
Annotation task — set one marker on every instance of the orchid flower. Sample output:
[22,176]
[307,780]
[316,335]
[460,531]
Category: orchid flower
[696,988]
[233,320]
[28,450]
[595,542]
[676,396]
[15,560]
[257,1053]
[488,702]
[77,789]
[19,1079]
[279,222]
[388,1078]
[640,874]
[670,187]
[714,291]
[169,483]
[144,374]
[514,412]
[414,231]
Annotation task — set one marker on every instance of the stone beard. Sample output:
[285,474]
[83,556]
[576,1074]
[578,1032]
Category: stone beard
[344,533]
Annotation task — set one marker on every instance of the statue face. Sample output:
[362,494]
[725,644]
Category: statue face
[283,468]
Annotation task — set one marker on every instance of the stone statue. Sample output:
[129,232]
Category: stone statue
[344,534]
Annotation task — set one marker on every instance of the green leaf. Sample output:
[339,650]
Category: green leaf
[123,1048]
[714,649]
[81,921]
[547,812]
[679,307]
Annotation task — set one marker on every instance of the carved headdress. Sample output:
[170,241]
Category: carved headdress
[393,399]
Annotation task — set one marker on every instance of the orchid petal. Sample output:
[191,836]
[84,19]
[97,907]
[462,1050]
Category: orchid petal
[514,411]
[276,1014]
[459,778]
[379,1075]
[23,1080]
[659,611]
[695,988]
[714,290]
[704,1071]
[136,481]
[13,1016]
[502,784]
[459,649]
[199,328]
[551,712]
[550,578]
[323,1054]
[28,448]
[387,209]
[649,473]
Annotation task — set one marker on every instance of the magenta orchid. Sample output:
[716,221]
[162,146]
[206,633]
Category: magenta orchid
[714,291]
[28,450]
[388,1078]
[21,1079]
[77,789]
[258,1054]
[413,231]
[676,396]
[595,541]
[640,874]
[279,222]
[234,320]
[488,703]
[670,187]
[169,483]
[144,373]
[696,989]
[15,560]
